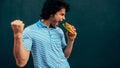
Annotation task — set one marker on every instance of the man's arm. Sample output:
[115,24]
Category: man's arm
[68,49]
[21,55]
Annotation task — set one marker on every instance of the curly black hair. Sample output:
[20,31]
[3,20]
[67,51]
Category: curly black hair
[50,7]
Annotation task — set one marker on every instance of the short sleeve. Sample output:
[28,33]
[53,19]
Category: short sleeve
[27,41]
[63,41]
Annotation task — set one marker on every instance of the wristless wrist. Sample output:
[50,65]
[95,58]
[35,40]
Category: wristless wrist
[17,35]
[71,41]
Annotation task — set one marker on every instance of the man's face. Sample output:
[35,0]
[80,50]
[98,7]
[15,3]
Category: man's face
[58,17]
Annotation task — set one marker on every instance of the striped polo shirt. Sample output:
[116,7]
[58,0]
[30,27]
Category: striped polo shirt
[46,45]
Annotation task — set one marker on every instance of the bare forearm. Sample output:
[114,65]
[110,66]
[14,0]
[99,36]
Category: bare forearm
[19,51]
[18,47]
[68,49]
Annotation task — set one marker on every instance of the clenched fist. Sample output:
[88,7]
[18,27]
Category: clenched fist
[17,26]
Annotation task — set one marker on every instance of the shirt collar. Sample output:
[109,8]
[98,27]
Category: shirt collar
[41,24]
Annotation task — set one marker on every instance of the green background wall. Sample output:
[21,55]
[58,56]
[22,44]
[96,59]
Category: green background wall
[97,22]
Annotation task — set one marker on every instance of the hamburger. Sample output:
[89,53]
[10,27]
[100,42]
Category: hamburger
[69,28]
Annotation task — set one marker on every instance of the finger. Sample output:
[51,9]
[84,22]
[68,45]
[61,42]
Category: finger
[74,28]
[69,33]
[16,22]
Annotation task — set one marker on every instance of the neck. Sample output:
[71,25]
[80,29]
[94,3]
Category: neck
[46,22]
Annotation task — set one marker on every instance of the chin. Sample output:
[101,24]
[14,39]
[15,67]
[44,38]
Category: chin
[56,24]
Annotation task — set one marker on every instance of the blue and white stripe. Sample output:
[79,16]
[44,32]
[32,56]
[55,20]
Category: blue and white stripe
[46,46]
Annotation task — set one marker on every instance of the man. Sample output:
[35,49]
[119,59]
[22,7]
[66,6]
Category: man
[44,39]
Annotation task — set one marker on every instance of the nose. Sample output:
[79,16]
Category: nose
[63,17]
